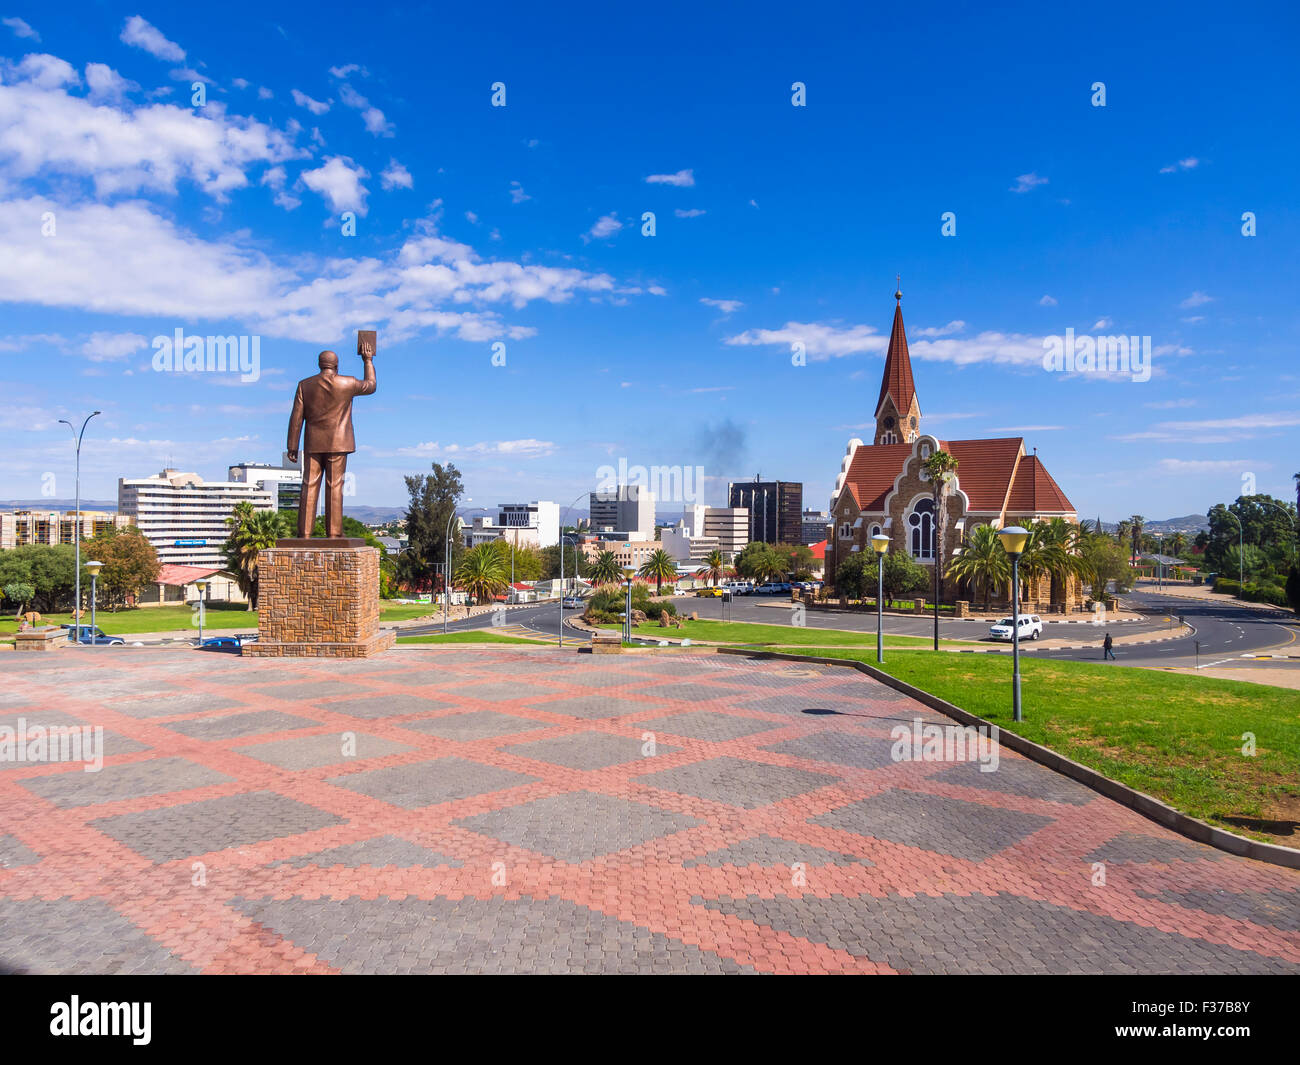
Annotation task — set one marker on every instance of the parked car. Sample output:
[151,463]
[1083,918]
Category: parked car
[92,635]
[770,588]
[229,644]
[1031,627]
[738,587]
[709,593]
[573,602]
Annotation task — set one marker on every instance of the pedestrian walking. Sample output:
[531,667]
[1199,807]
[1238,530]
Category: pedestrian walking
[1106,646]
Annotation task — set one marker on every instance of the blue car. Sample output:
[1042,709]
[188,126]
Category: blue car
[229,644]
[92,635]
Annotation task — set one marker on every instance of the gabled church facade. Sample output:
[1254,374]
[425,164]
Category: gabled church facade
[881,487]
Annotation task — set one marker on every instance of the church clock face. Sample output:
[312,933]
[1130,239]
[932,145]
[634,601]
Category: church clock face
[889,423]
[913,423]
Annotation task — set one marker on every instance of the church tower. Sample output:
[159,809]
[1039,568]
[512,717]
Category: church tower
[898,415]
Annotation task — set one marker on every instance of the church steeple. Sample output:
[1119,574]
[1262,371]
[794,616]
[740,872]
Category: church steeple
[898,415]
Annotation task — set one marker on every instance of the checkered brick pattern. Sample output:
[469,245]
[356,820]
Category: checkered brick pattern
[537,810]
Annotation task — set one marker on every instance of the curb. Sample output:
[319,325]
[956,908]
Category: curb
[1151,808]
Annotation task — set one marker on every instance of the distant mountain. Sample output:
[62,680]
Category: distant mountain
[1188,523]
[58,504]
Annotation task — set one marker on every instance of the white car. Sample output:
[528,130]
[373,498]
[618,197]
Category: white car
[1031,627]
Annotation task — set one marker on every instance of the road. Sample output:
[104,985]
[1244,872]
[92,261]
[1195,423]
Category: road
[1225,631]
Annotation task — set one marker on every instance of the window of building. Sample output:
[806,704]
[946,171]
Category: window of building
[875,530]
[889,437]
[920,530]
[925,451]
[845,531]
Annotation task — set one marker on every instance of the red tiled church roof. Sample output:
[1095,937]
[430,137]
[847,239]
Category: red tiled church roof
[1035,492]
[985,469]
[897,379]
[872,472]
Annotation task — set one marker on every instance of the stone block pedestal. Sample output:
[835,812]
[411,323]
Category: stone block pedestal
[319,599]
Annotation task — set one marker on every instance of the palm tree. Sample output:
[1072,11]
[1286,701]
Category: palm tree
[483,573]
[714,567]
[941,470]
[981,561]
[1136,522]
[605,570]
[660,565]
[1123,531]
[251,531]
[1177,543]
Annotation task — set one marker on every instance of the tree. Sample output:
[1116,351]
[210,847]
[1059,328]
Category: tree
[1293,588]
[903,575]
[49,568]
[1135,531]
[1102,560]
[575,562]
[714,567]
[482,573]
[982,561]
[251,531]
[432,502]
[20,593]
[661,566]
[851,577]
[605,570]
[130,564]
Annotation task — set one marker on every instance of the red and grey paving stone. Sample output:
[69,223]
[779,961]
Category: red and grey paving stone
[519,810]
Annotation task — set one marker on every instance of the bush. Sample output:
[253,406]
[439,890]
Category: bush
[1252,592]
[1293,588]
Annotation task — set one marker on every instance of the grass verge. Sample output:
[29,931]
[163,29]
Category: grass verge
[755,634]
[472,636]
[1176,737]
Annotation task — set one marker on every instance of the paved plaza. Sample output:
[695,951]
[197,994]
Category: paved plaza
[521,810]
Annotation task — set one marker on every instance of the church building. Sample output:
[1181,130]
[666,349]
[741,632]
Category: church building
[881,487]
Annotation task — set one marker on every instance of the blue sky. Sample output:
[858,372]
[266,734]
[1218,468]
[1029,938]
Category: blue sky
[774,224]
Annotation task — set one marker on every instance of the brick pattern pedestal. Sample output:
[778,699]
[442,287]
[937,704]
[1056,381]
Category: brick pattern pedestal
[319,602]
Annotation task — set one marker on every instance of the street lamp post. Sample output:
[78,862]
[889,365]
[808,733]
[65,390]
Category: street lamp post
[202,587]
[880,544]
[627,616]
[1241,551]
[575,560]
[446,568]
[93,568]
[76,531]
[1013,542]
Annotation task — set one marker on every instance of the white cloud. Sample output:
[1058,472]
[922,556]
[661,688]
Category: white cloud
[471,217]
[239,83]
[515,449]
[517,193]
[694,212]
[683,179]
[1171,404]
[141,34]
[21,29]
[45,130]
[1047,301]
[1027,182]
[1217,430]
[274,179]
[396,176]
[1210,465]
[263,93]
[605,226]
[725,306]
[1182,164]
[339,182]
[316,107]
[125,259]
[955,326]
[1025,428]
[42,72]
[106,85]
[823,340]
[1102,323]
[112,347]
[1196,299]
[374,119]
[347,71]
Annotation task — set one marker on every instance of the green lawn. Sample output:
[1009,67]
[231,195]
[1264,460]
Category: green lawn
[178,616]
[1174,736]
[472,636]
[154,619]
[403,611]
[754,634]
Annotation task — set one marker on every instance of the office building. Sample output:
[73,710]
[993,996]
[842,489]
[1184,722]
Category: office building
[775,509]
[628,509]
[284,482]
[542,516]
[815,523]
[21,527]
[184,516]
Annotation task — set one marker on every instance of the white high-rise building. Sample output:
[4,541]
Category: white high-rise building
[284,482]
[542,516]
[629,509]
[184,516]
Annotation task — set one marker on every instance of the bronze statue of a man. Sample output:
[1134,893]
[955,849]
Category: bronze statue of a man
[324,403]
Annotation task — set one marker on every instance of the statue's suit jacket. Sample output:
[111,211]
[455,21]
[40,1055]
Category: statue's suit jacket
[324,402]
